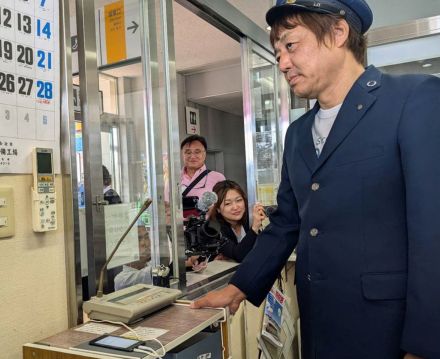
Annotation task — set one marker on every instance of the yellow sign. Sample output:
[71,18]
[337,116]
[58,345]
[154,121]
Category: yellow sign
[115,32]
[267,194]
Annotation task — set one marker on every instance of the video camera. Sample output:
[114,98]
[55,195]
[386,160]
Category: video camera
[203,237]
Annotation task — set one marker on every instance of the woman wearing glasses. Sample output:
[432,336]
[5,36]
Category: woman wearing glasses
[231,211]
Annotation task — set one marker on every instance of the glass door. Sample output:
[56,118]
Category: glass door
[127,121]
[124,153]
[266,112]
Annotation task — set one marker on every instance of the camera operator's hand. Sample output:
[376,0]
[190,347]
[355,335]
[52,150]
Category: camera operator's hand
[197,263]
[221,257]
[258,216]
[201,265]
[194,261]
[230,296]
[189,262]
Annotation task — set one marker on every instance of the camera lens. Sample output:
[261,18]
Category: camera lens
[208,231]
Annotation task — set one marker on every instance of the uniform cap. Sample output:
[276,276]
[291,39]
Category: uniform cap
[356,12]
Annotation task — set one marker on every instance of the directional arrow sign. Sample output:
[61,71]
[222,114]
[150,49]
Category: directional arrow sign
[118,38]
[133,27]
[132,33]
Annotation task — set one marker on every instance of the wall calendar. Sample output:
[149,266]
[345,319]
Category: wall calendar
[29,82]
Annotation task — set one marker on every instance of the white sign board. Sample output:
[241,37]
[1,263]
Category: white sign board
[117,218]
[29,82]
[117,33]
[76,99]
[118,29]
[192,121]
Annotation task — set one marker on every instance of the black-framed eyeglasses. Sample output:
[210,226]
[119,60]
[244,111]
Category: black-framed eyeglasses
[197,153]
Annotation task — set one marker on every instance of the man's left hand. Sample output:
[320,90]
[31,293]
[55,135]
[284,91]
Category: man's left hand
[411,356]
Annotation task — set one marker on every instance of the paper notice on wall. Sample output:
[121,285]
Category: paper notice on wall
[117,218]
[29,82]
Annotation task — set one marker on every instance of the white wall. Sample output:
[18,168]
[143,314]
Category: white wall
[33,300]
[225,132]
[214,82]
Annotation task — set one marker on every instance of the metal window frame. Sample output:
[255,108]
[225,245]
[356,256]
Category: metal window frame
[248,46]
[69,173]
[89,92]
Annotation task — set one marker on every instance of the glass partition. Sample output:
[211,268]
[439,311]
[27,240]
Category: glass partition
[262,107]
[122,141]
[127,135]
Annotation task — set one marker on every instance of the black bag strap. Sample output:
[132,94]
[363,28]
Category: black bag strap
[193,183]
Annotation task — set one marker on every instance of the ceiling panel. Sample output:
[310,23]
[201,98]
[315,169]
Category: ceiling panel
[254,9]
[199,44]
[230,103]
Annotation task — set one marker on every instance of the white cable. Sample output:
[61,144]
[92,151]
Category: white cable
[159,342]
[148,351]
[118,323]
[154,352]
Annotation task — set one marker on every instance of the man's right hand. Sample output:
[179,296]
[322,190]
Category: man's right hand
[229,296]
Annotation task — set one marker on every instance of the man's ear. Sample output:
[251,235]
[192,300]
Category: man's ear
[341,30]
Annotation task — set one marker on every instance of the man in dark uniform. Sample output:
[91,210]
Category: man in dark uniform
[359,195]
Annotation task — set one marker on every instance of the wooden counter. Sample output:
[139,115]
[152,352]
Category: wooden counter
[180,321]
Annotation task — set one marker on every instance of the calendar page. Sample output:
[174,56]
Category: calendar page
[29,82]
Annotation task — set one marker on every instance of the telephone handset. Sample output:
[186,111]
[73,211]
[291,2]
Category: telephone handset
[44,212]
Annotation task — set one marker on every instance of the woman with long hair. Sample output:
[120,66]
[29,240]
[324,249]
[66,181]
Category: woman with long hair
[231,212]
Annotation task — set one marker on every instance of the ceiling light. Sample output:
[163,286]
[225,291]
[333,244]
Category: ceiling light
[268,28]
[426,65]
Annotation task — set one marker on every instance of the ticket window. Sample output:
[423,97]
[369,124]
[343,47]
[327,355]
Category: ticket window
[137,125]
[119,137]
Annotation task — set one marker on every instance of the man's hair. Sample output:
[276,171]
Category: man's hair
[321,26]
[193,138]
[221,189]
[106,177]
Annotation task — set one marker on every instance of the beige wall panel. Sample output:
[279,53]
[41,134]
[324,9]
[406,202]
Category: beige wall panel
[33,301]
[238,341]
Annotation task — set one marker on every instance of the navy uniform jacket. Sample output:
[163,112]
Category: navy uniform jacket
[365,220]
